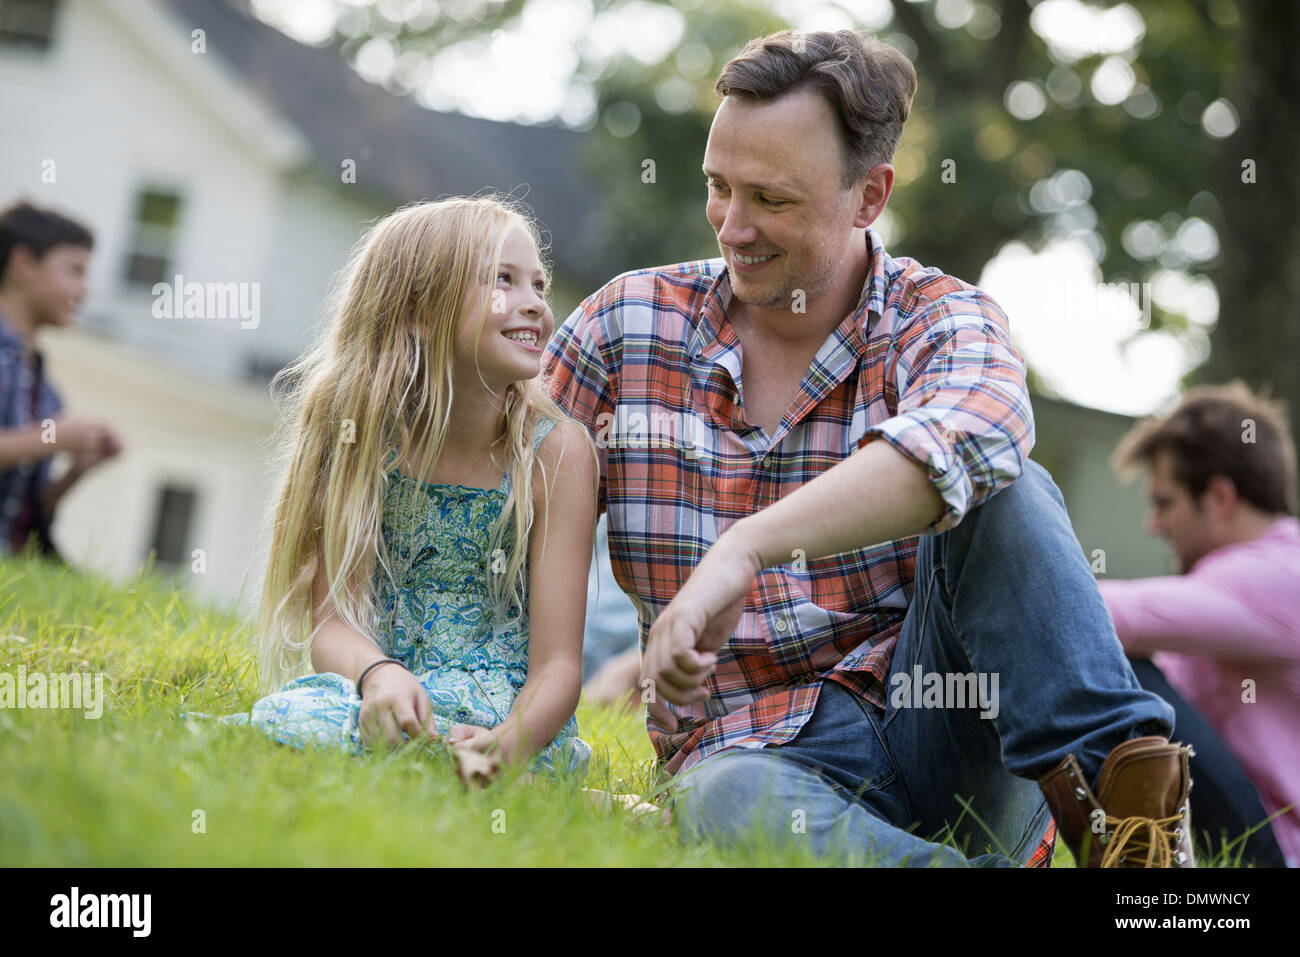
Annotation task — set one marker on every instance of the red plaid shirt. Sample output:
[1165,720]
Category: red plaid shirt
[650,364]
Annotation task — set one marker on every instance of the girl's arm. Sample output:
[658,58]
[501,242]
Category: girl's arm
[337,647]
[394,702]
[559,558]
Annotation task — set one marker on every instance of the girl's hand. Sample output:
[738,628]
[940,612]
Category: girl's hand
[474,749]
[466,732]
[394,703]
[629,802]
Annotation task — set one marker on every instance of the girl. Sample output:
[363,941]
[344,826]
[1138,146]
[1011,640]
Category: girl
[435,521]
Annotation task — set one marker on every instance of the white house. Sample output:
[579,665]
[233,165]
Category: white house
[198,142]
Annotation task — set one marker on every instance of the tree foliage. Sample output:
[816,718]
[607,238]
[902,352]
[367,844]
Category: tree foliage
[1135,179]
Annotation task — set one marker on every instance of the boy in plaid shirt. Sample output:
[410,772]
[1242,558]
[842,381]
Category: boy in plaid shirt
[43,263]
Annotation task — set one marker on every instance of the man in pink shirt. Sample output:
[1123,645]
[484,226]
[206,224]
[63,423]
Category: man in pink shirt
[1224,634]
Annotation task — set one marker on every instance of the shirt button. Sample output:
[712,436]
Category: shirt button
[767,461]
[781,625]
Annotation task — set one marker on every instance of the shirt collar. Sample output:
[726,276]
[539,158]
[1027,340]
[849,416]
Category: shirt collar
[713,311]
[871,304]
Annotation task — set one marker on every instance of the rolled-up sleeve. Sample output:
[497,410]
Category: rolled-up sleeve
[578,376]
[963,406]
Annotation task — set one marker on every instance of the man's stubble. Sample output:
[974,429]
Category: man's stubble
[814,284]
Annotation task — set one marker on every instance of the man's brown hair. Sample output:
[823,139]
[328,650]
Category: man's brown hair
[868,84]
[1222,430]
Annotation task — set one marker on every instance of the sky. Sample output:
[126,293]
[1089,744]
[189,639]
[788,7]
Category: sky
[1079,335]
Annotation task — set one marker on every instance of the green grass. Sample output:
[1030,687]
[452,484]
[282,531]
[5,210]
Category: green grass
[130,788]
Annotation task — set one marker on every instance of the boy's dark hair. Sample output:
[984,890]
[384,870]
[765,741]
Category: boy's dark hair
[40,230]
[868,84]
[1222,430]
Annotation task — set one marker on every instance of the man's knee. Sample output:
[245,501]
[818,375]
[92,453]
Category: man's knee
[728,794]
[1030,509]
[1033,488]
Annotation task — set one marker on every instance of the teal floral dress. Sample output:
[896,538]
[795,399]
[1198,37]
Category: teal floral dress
[436,618]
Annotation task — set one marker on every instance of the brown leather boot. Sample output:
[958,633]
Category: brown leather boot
[1140,816]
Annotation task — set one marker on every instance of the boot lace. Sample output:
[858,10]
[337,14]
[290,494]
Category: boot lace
[1131,836]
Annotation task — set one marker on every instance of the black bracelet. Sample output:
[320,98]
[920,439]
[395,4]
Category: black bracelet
[371,667]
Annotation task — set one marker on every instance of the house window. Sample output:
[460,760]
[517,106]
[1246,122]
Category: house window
[153,239]
[171,528]
[27,23]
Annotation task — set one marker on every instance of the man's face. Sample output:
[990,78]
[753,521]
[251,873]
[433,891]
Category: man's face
[55,284]
[1176,516]
[774,180]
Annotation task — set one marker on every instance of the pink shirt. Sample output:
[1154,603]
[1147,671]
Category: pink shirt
[1234,618]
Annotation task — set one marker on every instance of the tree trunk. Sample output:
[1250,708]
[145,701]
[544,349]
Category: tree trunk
[1258,334]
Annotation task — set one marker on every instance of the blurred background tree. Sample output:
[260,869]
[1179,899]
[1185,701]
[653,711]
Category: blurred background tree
[1154,132]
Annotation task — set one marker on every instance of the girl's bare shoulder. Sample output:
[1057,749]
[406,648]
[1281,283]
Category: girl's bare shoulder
[565,454]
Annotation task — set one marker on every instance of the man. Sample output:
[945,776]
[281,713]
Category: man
[801,444]
[43,263]
[1224,634]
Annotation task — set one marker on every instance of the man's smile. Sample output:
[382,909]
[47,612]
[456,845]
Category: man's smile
[747,263]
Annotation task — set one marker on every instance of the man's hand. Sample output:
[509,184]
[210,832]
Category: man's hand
[681,648]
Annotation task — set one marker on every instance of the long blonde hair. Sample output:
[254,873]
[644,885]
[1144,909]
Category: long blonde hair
[377,374]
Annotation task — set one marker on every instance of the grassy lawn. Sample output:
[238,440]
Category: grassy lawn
[140,787]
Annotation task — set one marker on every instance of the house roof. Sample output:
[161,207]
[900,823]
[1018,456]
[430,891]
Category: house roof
[403,151]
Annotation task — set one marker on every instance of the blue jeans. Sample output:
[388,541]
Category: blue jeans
[1006,596]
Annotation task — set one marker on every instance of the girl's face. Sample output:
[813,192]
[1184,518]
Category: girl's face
[518,323]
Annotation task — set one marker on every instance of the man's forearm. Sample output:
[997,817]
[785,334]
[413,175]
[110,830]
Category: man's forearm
[1189,615]
[875,495]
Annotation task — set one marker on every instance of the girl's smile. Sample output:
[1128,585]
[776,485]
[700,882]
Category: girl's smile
[529,337]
